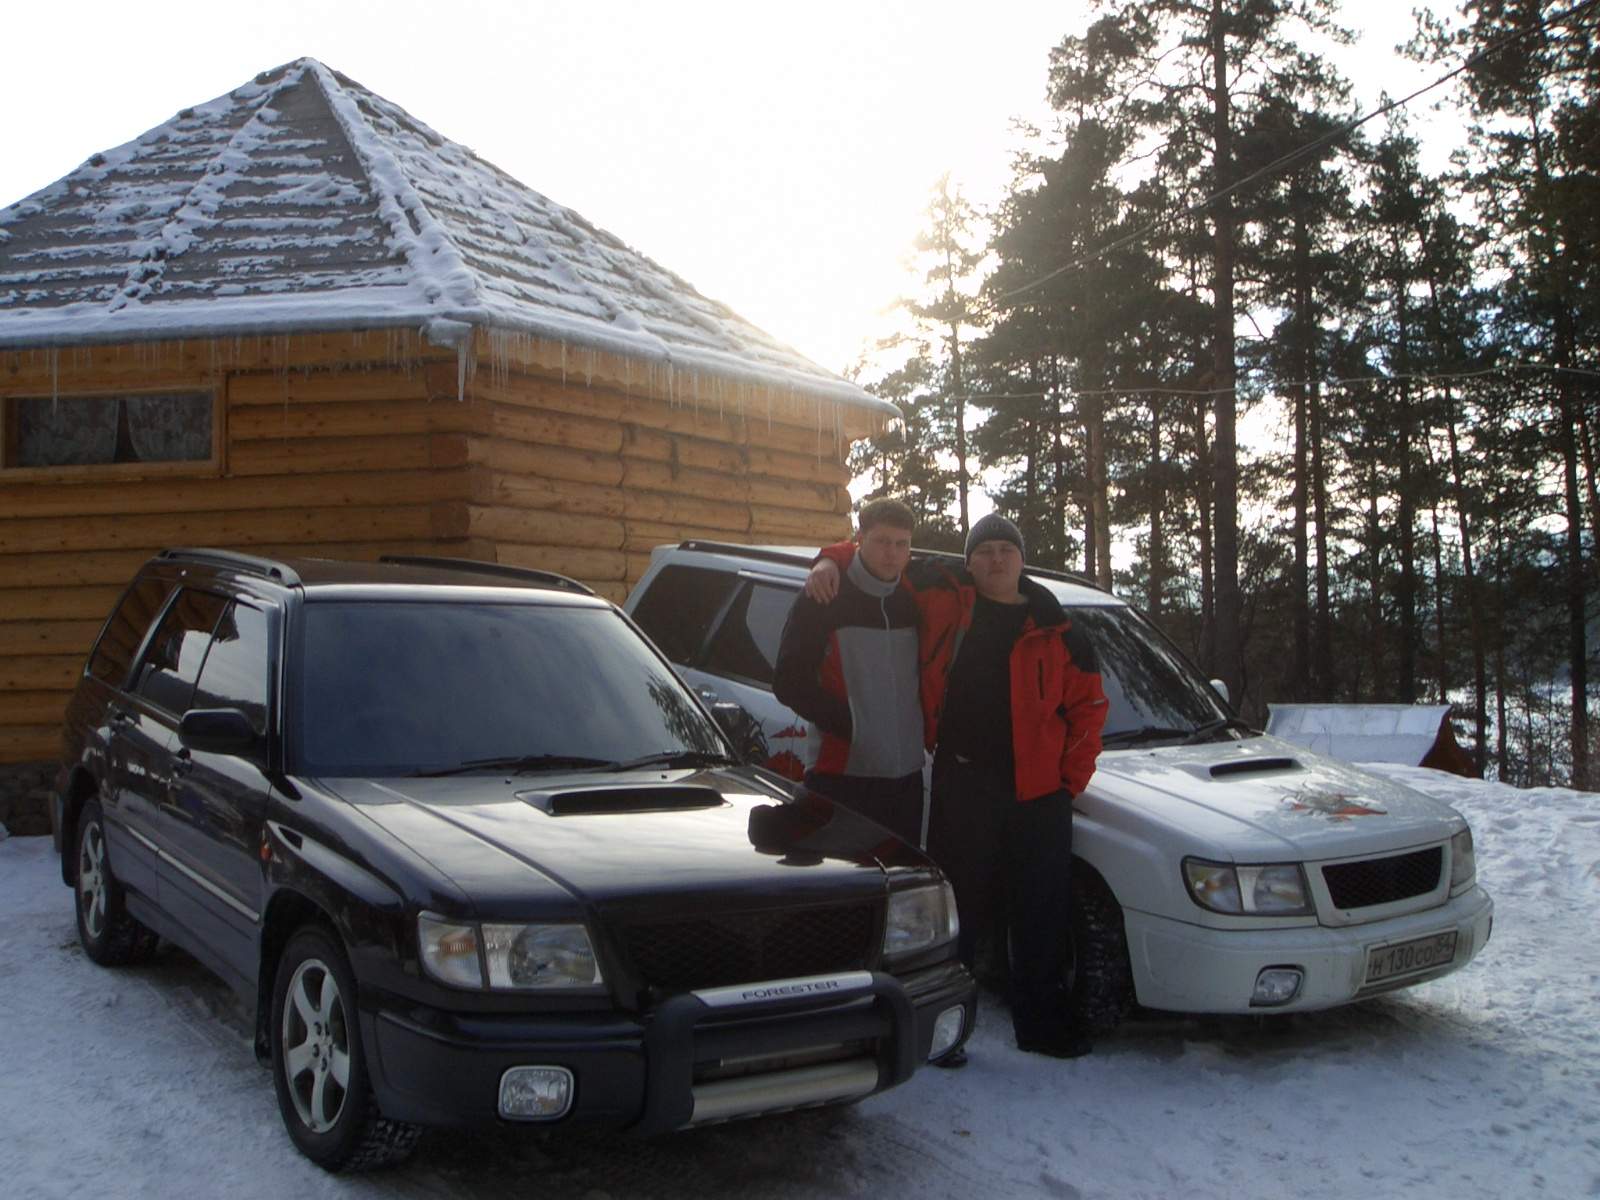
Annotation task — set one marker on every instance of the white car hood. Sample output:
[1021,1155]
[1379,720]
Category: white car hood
[1262,798]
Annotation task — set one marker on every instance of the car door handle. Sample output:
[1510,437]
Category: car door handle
[182,763]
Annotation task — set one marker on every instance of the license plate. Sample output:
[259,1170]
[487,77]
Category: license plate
[1406,958]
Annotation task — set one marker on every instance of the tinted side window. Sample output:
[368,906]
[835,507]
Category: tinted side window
[172,664]
[680,606]
[746,644]
[237,671]
[126,629]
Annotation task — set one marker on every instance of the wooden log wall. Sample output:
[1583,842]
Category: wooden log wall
[357,445]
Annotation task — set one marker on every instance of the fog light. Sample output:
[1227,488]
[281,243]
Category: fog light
[535,1093]
[1276,985]
[947,1031]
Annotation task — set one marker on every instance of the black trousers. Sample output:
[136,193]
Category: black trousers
[1010,864]
[896,804]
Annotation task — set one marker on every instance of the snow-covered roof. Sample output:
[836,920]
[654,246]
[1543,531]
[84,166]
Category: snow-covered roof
[301,202]
[1392,733]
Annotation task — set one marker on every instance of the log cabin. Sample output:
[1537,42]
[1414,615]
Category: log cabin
[296,319]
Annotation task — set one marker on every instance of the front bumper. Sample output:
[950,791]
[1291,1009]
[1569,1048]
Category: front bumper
[1178,967]
[696,1058]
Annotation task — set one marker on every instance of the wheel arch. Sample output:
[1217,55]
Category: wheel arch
[287,911]
[81,788]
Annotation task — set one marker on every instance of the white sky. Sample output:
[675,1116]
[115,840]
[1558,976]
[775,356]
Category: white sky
[779,157]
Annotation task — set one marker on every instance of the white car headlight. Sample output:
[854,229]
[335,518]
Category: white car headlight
[1463,860]
[508,957]
[1258,889]
[919,919]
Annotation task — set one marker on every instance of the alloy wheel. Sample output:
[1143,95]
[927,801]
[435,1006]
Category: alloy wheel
[316,1046]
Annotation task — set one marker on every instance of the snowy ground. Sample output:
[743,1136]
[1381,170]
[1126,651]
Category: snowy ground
[1484,1084]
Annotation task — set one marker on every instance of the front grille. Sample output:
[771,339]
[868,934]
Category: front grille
[1384,880]
[742,947]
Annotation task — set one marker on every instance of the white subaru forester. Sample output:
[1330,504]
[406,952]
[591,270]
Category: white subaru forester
[1220,870]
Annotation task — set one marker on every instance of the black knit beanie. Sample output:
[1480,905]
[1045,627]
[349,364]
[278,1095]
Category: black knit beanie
[994,528]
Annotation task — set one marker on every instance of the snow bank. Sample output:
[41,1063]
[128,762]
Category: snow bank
[1481,1085]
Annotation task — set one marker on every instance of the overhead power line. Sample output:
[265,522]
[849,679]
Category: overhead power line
[1302,152]
[1282,385]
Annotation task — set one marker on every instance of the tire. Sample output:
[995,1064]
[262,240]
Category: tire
[108,934]
[1101,989]
[318,1067]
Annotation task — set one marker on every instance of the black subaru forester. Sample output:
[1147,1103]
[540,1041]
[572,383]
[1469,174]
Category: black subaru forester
[474,853]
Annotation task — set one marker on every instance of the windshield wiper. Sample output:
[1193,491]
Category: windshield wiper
[676,758]
[521,762]
[1204,732]
[1145,733]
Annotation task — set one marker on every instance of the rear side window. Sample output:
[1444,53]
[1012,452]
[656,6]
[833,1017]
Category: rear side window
[237,667]
[678,610]
[120,642]
[172,664]
[746,643]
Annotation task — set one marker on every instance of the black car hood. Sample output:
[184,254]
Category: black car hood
[521,846]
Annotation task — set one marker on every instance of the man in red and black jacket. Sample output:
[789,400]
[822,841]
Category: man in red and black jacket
[1012,708]
[849,667]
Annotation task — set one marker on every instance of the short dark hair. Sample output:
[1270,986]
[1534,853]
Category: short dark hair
[885,510]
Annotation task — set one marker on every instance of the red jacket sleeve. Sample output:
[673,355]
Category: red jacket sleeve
[1084,707]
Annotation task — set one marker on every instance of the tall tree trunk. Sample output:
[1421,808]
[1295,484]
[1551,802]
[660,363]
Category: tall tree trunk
[1577,593]
[1406,675]
[1158,503]
[1300,359]
[1324,685]
[1099,506]
[1567,411]
[961,424]
[1208,611]
[1229,650]
[1375,638]
[1441,659]
[1480,684]
[1586,435]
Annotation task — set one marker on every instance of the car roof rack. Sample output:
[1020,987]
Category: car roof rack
[1030,568]
[766,554]
[760,553]
[255,564]
[526,574]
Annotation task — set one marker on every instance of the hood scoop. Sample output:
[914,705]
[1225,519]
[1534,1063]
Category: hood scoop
[623,799]
[1251,766]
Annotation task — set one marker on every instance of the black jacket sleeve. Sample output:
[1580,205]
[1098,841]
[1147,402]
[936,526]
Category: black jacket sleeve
[795,677]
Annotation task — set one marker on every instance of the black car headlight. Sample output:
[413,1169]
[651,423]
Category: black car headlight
[533,957]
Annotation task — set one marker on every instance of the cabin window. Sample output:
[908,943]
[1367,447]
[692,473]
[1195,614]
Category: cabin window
[76,431]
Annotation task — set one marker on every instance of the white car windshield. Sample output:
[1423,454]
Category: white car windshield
[1155,694]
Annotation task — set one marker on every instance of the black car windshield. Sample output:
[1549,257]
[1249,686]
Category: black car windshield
[402,687]
[1155,695]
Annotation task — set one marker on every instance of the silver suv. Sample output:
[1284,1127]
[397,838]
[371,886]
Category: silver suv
[1219,870]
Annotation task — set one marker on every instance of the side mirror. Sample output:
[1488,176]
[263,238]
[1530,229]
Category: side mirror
[218,731]
[743,730]
[1221,689]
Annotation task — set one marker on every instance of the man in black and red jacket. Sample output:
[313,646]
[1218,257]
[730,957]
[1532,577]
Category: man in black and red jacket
[850,668]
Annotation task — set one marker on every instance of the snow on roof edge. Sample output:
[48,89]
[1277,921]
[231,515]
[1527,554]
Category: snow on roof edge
[64,331]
